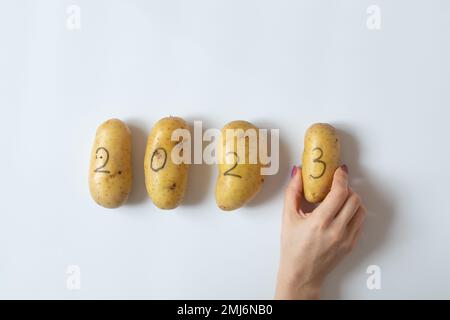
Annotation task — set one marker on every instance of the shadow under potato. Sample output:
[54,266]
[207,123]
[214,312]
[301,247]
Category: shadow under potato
[198,185]
[200,175]
[379,217]
[139,142]
[275,184]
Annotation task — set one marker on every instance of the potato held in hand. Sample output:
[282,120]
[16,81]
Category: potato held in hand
[165,179]
[239,177]
[110,174]
[320,160]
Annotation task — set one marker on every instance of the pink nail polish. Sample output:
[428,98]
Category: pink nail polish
[345,168]
[294,171]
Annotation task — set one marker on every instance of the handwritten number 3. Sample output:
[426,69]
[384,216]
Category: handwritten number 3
[228,172]
[318,160]
[102,166]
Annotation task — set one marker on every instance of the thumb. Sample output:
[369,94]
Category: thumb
[293,194]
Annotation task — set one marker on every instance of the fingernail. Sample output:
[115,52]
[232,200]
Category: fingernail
[294,171]
[345,168]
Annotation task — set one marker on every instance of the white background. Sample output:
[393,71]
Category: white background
[280,64]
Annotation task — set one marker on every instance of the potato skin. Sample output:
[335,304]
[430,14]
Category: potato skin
[110,173]
[237,184]
[321,157]
[165,181]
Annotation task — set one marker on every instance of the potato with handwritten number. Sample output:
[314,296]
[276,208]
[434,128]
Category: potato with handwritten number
[321,157]
[110,173]
[166,179]
[239,177]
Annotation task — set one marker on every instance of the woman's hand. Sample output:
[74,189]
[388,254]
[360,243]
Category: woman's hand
[312,244]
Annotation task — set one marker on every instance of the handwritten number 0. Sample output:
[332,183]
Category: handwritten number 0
[157,153]
[318,160]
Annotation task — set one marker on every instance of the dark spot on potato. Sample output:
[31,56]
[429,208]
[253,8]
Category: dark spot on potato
[173,186]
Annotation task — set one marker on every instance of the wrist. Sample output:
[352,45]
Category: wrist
[296,288]
[302,292]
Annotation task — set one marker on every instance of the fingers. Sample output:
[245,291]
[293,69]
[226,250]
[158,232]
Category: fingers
[355,238]
[355,226]
[336,197]
[353,231]
[348,210]
[294,191]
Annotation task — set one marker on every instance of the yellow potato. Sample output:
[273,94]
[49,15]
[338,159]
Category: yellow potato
[239,177]
[165,179]
[110,173]
[321,158]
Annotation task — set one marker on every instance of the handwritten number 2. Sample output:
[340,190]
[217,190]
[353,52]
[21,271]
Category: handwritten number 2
[102,166]
[318,160]
[228,172]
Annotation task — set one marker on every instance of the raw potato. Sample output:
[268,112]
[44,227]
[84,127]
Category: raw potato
[110,173]
[165,180]
[237,183]
[321,158]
